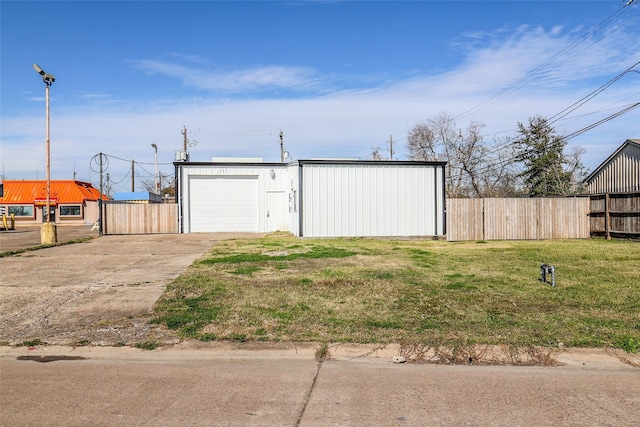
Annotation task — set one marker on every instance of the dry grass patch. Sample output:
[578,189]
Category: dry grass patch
[281,288]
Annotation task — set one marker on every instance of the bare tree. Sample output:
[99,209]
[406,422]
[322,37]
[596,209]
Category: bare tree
[376,154]
[474,168]
[499,175]
[576,169]
[166,184]
[421,143]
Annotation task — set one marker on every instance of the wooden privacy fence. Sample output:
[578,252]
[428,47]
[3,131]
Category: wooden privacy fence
[615,215]
[138,218]
[518,219]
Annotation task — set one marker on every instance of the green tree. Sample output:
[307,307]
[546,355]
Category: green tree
[548,170]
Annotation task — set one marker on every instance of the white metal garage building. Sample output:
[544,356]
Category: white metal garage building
[313,198]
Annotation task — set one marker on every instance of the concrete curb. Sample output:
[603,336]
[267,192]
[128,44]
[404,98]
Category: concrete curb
[194,350]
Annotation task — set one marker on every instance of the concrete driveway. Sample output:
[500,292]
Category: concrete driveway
[74,293]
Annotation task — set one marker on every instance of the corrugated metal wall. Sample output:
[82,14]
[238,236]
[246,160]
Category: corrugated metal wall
[292,188]
[620,175]
[518,219]
[371,200]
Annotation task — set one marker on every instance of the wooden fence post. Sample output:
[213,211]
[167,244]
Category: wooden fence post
[607,217]
[483,221]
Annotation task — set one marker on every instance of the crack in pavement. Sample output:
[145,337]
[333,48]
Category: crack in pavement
[308,396]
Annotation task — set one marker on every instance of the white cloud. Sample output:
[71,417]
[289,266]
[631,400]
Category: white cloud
[233,81]
[346,122]
[102,97]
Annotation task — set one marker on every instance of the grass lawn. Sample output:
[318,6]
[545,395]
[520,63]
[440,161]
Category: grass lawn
[281,288]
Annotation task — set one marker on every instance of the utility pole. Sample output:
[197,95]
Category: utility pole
[100,200]
[184,144]
[281,147]
[156,184]
[391,147]
[133,176]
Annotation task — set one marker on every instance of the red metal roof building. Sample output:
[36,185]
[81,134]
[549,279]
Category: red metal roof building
[72,202]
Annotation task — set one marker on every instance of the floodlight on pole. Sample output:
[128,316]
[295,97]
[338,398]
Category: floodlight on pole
[38,69]
[48,79]
[48,237]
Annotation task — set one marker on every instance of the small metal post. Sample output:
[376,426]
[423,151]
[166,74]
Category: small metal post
[548,269]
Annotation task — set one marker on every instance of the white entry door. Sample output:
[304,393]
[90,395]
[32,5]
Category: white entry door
[275,211]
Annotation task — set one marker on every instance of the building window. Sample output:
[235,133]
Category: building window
[70,210]
[21,210]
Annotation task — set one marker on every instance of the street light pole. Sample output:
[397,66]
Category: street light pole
[155,176]
[48,155]
[48,233]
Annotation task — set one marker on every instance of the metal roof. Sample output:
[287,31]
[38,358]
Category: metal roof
[65,191]
[318,162]
[597,170]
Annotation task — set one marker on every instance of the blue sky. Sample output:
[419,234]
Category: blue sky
[337,77]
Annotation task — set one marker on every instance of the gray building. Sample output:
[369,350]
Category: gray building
[619,173]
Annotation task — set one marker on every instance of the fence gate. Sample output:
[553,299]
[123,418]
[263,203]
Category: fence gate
[138,218]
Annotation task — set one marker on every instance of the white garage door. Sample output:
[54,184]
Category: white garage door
[228,203]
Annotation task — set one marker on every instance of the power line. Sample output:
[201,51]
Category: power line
[611,106]
[515,158]
[137,162]
[567,59]
[606,119]
[240,132]
[152,174]
[317,142]
[590,96]
[125,176]
[538,70]
[562,114]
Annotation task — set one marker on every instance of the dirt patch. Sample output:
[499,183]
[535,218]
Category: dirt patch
[96,292]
